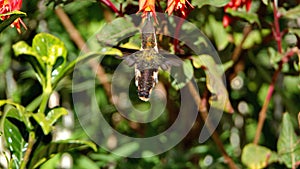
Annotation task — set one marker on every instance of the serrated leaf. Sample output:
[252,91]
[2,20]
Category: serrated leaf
[117,30]
[45,152]
[293,13]
[214,82]
[46,122]
[248,16]
[288,146]
[182,74]
[216,3]
[257,157]
[13,16]
[15,142]
[218,32]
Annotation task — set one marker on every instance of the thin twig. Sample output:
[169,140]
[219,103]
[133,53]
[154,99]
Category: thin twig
[277,35]
[263,111]
[31,142]
[111,6]
[238,49]
[276,30]
[203,112]
[77,38]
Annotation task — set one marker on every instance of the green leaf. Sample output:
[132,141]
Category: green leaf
[182,74]
[68,68]
[288,146]
[23,49]
[45,152]
[293,13]
[15,142]
[266,2]
[18,112]
[214,82]
[216,3]
[248,16]
[49,48]
[255,37]
[46,50]
[52,116]
[13,16]
[218,32]
[256,157]
[119,29]
[84,162]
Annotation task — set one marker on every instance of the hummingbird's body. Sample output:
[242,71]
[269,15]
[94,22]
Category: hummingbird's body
[146,61]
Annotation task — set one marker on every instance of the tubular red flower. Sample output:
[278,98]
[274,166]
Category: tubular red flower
[146,6]
[235,4]
[9,6]
[178,5]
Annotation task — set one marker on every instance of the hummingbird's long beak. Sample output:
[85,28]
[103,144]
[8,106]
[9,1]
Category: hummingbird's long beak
[148,34]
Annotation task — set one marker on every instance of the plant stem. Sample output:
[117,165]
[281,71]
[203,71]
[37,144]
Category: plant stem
[276,30]
[31,142]
[263,111]
[47,90]
[203,112]
[110,5]
[278,37]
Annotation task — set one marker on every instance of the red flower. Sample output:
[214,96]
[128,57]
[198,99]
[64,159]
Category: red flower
[235,4]
[9,6]
[146,6]
[178,5]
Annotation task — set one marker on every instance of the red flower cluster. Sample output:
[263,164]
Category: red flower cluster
[235,4]
[173,5]
[9,6]
[178,5]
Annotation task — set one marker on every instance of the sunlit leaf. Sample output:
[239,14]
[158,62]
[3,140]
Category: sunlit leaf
[46,122]
[13,16]
[15,142]
[257,157]
[266,2]
[22,48]
[248,16]
[45,152]
[48,47]
[293,13]
[113,51]
[214,82]
[288,146]
[18,112]
[216,3]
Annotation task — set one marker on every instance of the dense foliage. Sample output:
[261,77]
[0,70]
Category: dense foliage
[257,53]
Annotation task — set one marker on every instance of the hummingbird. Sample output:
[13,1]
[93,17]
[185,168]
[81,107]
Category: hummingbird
[147,61]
